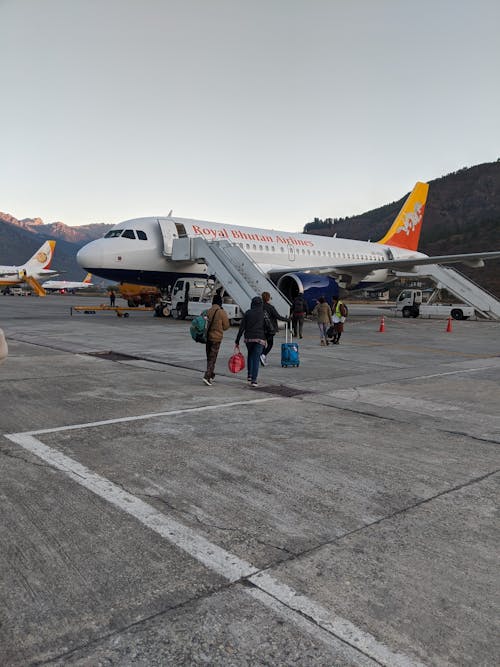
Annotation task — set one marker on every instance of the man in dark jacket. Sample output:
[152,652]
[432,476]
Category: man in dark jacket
[271,317]
[298,312]
[252,326]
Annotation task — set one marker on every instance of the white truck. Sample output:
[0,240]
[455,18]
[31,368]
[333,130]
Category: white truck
[191,296]
[410,303]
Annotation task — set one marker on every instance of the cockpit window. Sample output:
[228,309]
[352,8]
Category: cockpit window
[113,234]
[141,235]
[128,234]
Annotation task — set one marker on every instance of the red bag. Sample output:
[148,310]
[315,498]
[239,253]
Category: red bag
[236,362]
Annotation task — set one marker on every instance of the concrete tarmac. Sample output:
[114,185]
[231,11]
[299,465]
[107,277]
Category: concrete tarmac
[343,513]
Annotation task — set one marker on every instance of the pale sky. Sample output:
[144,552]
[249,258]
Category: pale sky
[256,112]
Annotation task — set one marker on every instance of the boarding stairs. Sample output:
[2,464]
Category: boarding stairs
[484,303]
[35,285]
[233,268]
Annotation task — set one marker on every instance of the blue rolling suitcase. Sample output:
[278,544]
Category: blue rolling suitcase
[289,351]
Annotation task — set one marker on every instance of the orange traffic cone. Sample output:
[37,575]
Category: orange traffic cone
[449,328]
[382,325]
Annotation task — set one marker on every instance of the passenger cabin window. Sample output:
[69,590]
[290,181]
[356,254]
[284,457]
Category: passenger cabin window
[141,235]
[128,234]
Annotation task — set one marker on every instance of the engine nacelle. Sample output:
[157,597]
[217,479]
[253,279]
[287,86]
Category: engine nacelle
[313,286]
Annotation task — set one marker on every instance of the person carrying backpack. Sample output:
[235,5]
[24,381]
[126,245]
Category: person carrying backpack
[298,312]
[217,323]
[339,310]
[271,317]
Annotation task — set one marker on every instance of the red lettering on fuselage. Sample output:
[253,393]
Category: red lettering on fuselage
[242,235]
[211,233]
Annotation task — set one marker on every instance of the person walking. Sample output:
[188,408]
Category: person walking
[4,350]
[339,314]
[112,298]
[298,312]
[252,327]
[271,317]
[218,322]
[323,314]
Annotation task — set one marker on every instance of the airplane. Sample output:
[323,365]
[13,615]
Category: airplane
[65,285]
[32,271]
[139,251]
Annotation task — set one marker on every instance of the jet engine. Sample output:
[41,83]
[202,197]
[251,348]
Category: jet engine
[313,286]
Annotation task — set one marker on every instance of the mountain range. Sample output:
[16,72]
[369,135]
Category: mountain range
[462,215]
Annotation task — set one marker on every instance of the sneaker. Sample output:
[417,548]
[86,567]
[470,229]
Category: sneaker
[263,360]
[254,384]
[207,382]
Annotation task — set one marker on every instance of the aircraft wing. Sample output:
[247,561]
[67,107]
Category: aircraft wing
[474,259]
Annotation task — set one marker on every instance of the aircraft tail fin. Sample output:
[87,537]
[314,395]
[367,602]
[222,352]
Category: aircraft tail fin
[406,228]
[88,278]
[41,259]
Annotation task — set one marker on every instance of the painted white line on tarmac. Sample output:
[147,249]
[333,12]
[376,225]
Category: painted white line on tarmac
[351,655]
[224,563]
[151,415]
[331,622]
[437,375]
[304,612]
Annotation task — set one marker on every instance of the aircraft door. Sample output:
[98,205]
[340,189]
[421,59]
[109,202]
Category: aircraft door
[168,234]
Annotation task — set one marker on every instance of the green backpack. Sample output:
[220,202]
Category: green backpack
[199,328]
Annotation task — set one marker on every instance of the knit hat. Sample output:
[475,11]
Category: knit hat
[217,300]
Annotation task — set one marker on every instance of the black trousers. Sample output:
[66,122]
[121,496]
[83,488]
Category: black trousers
[269,346]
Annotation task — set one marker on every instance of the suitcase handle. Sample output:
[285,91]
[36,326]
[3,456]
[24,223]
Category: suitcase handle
[288,333]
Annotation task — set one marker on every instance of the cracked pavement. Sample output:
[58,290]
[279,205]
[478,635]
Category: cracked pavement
[372,498]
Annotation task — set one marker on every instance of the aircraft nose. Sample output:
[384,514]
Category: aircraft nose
[90,256]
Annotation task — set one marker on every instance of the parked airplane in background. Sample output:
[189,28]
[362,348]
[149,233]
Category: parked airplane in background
[67,285]
[32,271]
[140,251]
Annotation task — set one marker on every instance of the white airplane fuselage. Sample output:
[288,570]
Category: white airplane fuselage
[146,260]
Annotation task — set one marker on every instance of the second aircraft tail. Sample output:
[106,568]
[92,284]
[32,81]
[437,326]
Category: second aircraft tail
[41,259]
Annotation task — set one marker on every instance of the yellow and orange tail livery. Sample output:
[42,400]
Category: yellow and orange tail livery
[88,278]
[405,230]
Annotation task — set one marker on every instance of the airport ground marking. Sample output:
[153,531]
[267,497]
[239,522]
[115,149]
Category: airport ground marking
[304,612]
[150,415]
[463,370]
[215,558]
